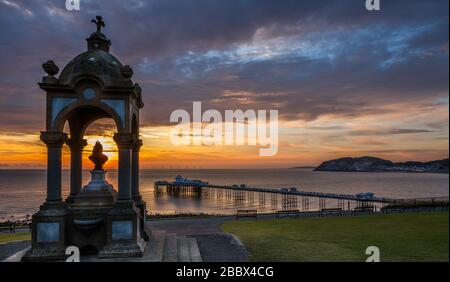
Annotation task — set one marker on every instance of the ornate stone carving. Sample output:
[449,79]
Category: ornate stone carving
[124,140]
[137,145]
[127,71]
[99,23]
[53,138]
[97,157]
[50,68]
[137,91]
[76,145]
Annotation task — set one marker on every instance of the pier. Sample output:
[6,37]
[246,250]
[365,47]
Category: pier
[269,198]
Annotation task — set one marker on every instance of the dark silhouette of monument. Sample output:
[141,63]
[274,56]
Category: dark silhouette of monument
[96,218]
[97,157]
[99,23]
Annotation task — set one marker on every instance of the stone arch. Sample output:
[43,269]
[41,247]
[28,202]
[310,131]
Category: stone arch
[81,116]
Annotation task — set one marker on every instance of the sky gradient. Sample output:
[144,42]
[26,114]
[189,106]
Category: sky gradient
[346,81]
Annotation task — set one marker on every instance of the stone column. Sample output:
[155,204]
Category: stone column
[124,143]
[76,164]
[135,170]
[54,142]
[135,194]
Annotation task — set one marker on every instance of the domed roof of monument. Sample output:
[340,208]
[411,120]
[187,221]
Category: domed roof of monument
[94,62]
[98,62]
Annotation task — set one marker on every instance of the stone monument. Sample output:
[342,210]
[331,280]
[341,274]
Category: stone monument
[96,218]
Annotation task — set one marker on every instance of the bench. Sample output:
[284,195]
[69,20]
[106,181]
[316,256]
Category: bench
[11,226]
[246,213]
[363,210]
[388,209]
[295,213]
[331,211]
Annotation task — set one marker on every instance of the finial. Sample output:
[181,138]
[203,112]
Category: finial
[126,71]
[98,40]
[97,157]
[99,23]
[50,68]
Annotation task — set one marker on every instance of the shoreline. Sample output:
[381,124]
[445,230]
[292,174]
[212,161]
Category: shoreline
[386,171]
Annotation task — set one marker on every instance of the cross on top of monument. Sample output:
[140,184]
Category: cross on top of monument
[98,40]
[99,23]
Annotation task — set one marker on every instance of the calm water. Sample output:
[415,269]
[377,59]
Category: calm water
[22,191]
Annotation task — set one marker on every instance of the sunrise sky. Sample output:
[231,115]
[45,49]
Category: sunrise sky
[346,81]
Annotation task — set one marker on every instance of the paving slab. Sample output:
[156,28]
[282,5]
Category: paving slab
[170,249]
[221,248]
[11,248]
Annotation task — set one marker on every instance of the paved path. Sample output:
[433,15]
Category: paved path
[189,226]
[213,243]
[11,248]
[198,225]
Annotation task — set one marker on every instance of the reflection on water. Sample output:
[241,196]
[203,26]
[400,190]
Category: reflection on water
[22,191]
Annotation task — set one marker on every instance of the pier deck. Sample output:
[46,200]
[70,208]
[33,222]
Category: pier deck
[269,199]
[204,185]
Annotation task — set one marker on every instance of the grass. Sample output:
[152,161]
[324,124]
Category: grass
[400,237]
[6,237]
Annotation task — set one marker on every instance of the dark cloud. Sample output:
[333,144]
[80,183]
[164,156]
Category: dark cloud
[327,57]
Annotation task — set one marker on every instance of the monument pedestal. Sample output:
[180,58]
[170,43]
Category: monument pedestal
[96,222]
[48,233]
[123,232]
[98,193]
[88,214]
[142,206]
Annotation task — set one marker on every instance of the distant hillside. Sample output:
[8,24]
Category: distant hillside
[372,164]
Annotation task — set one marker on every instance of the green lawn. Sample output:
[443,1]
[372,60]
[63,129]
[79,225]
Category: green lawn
[6,237]
[400,237]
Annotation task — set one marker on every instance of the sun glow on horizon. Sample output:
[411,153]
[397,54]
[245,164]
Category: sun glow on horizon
[385,135]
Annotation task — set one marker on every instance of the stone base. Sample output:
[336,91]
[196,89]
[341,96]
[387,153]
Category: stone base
[48,226]
[94,199]
[44,253]
[123,250]
[123,235]
[52,207]
[98,193]
[86,229]
[98,181]
[142,206]
[94,221]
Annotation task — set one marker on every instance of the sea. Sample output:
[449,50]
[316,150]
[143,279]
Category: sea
[23,191]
